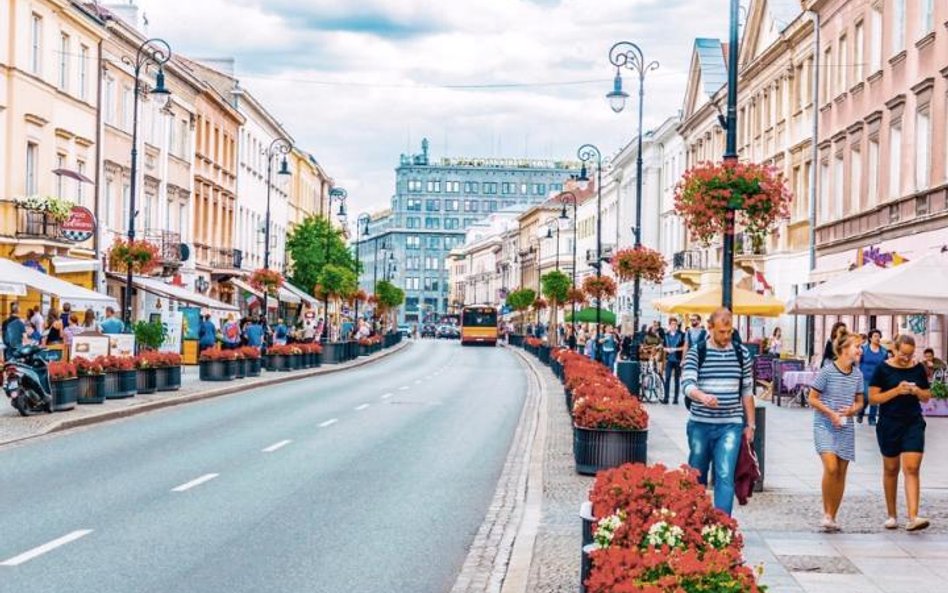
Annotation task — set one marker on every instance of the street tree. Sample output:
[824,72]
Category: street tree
[335,283]
[521,300]
[556,287]
[388,296]
[306,248]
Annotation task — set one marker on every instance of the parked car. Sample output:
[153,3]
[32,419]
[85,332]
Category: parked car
[405,330]
[448,332]
[429,331]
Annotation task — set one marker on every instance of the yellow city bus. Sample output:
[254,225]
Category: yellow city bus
[479,325]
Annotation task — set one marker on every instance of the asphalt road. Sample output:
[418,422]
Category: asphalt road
[370,480]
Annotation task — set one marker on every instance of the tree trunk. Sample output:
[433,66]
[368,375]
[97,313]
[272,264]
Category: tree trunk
[554,326]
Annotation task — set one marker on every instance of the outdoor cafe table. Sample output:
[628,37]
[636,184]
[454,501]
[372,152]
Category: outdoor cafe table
[798,383]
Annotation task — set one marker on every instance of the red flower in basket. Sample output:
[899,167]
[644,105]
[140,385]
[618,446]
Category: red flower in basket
[141,255]
[576,296]
[640,261]
[116,363]
[268,281]
[86,367]
[61,371]
[216,354]
[539,303]
[249,352]
[600,288]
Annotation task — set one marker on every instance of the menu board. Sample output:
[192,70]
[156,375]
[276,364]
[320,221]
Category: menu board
[89,346]
[122,344]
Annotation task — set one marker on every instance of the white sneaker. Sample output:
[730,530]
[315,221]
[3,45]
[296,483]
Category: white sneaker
[891,523]
[827,525]
[917,524]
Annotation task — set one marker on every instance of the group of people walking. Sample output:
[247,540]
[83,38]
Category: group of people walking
[55,327]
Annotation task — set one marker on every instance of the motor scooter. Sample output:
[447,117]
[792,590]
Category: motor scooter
[26,381]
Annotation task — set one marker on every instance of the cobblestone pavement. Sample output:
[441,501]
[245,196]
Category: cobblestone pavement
[14,427]
[779,524]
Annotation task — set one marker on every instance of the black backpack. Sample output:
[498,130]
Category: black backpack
[703,354]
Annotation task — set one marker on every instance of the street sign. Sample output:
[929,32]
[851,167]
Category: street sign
[80,226]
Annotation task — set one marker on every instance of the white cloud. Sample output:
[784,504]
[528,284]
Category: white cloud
[381,64]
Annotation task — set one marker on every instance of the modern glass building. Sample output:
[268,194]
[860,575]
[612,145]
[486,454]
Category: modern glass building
[434,202]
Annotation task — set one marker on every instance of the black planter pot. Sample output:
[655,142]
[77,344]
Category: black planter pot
[515,339]
[91,389]
[544,354]
[317,359]
[296,362]
[596,449]
[121,384]
[253,367]
[585,567]
[267,362]
[334,352]
[569,400]
[218,370]
[147,380]
[306,360]
[279,362]
[241,367]
[65,394]
[169,378]
[586,516]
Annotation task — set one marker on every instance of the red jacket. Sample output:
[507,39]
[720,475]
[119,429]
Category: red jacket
[747,473]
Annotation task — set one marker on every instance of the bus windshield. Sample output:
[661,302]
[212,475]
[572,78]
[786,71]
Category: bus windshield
[479,317]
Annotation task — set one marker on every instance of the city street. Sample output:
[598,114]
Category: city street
[373,479]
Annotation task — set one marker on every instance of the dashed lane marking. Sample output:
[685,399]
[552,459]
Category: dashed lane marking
[276,446]
[194,482]
[362,407]
[329,423]
[387,395]
[47,547]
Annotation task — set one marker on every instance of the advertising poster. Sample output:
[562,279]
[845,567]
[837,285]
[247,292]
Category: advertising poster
[122,345]
[190,323]
[89,346]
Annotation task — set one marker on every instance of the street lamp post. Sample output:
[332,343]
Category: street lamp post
[549,235]
[730,156]
[152,52]
[277,147]
[564,196]
[338,194]
[628,55]
[588,152]
[362,229]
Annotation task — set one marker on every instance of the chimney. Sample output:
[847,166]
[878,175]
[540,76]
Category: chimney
[128,12]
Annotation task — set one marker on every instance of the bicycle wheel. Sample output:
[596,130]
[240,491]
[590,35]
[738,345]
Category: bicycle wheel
[651,388]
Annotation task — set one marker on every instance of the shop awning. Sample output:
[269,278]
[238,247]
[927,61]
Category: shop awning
[77,296]
[8,288]
[286,296]
[69,265]
[307,299]
[243,286]
[180,294]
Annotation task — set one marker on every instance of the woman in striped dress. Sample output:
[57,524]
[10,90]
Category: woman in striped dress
[837,394]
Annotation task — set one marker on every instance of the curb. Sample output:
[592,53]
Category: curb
[207,394]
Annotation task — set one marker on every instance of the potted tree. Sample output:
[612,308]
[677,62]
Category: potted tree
[121,377]
[520,301]
[556,287]
[64,384]
[168,371]
[336,282]
[91,380]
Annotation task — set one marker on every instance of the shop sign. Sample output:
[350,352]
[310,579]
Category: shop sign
[80,226]
[874,255]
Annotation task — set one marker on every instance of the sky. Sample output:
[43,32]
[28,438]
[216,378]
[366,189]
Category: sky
[358,82]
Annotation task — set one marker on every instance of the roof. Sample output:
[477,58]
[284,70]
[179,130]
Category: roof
[710,54]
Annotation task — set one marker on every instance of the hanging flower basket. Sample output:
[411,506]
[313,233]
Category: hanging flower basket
[707,192]
[600,288]
[142,256]
[358,296]
[576,296]
[647,264]
[539,303]
[268,281]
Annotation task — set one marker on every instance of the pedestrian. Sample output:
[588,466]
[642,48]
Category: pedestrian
[207,333]
[253,333]
[828,353]
[54,327]
[230,333]
[571,340]
[776,343]
[658,329]
[280,333]
[674,344]
[717,377]
[111,324]
[609,347]
[13,331]
[72,330]
[836,395]
[590,348]
[932,364]
[873,354]
[695,334]
[899,387]
[88,320]
[39,323]
[64,316]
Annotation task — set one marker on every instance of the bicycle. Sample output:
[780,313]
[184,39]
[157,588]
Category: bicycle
[651,382]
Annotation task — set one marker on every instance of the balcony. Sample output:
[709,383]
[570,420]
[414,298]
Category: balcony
[169,248]
[687,267]
[35,224]
[749,255]
[227,262]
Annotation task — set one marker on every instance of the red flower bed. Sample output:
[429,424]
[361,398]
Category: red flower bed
[600,399]
[287,349]
[143,256]
[640,261]
[88,368]
[576,296]
[216,354]
[309,347]
[533,342]
[60,371]
[116,363]
[249,352]
[658,531]
[370,341]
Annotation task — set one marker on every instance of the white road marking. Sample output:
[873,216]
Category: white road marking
[329,423]
[362,407]
[276,446]
[47,547]
[403,388]
[387,395]
[194,482]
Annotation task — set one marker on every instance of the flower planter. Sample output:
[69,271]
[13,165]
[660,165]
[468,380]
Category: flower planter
[596,449]
[65,394]
[935,407]
[254,366]
[169,378]
[241,368]
[218,370]
[586,516]
[569,400]
[147,380]
[279,362]
[365,350]
[317,359]
[121,384]
[91,389]
[585,566]
[334,352]
[515,339]
[544,354]
[295,362]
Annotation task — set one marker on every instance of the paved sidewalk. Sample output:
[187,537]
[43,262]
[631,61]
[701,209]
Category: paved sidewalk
[14,427]
[779,524]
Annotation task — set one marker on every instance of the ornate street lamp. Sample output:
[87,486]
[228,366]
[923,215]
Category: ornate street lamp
[550,224]
[362,230]
[588,152]
[279,146]
[339,195]
[730,156]
[628,55]
[571,197]
[152,52]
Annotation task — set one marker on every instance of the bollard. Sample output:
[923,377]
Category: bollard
[628,372]
[760,442]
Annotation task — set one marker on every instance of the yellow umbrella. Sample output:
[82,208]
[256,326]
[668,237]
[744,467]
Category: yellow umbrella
[707,300]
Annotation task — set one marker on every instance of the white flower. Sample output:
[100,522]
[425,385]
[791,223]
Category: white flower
[661,533]
[606,529]
[717,536]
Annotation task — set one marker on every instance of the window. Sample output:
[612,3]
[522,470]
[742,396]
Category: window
[875,39]
[127,105]
[432,263]
[895,159]
[36,44]
[539,189]
[826,86]
[923,147]
[433,205]
[471,187]
[839,171]
[108,102]
[413,204]
[452,187]
[824,191]
[412,283]
[414,185]
[432,223]
[507,188]
[451,223]
[64,62]
[842,69]
[81,169]
[412,242]
[872,194]
[469,221]
[855,179]
[32,151]
[556,187]
[523,189]
[107,205]
[413,222]
[490,187]
[470,205]
[431,284]
[858,53]
[452,205]
[433,242]
[927,17]
[433,186]
[898,26]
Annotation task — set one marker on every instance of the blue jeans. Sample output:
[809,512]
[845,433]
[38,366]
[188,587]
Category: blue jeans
[721,444]
[609,358]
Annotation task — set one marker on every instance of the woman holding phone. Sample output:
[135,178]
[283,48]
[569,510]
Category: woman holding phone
[836,396]
[899,386]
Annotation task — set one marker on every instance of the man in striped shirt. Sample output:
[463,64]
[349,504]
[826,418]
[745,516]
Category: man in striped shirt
[722,394]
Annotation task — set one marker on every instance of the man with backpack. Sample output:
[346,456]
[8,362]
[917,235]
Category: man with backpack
[207,333]
[717,378]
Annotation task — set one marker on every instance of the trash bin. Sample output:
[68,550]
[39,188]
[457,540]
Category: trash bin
[628,372]
[760,442]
